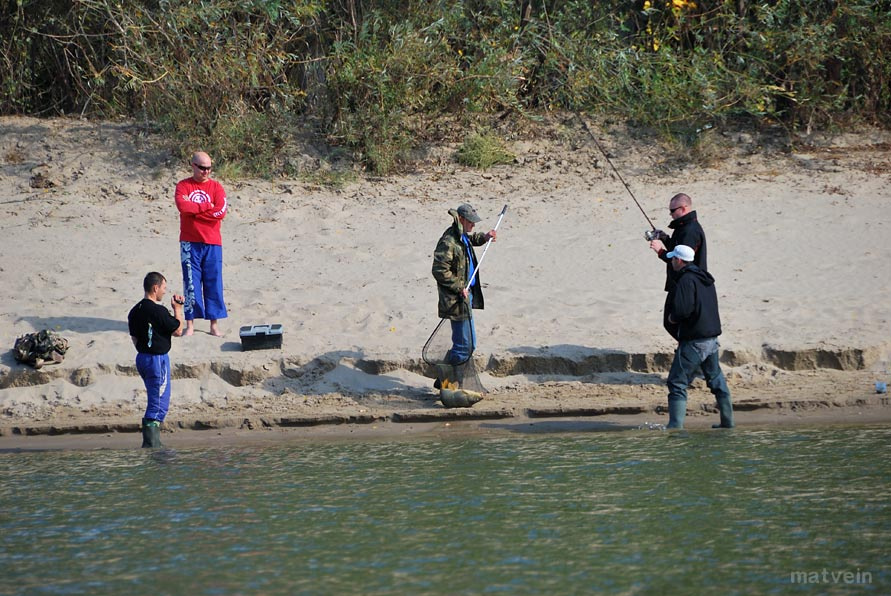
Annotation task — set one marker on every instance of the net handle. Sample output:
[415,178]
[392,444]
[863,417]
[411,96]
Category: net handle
[480,262]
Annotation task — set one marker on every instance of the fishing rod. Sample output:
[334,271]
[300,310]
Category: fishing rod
[650,234]
[483,256]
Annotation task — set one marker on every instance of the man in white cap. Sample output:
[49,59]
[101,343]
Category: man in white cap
[693,307]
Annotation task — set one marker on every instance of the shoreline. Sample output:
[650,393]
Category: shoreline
[574,296]
[862,416]
[815,398]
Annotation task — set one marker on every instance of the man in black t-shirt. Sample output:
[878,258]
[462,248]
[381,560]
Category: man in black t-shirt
[151,327]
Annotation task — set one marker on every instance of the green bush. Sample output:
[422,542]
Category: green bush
[483,150]
[378,81]
[241,78]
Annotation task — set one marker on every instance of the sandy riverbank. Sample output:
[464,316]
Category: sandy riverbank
[797,243]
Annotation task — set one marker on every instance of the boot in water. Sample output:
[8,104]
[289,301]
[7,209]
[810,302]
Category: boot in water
[151,433]
[677,411]
[725,409]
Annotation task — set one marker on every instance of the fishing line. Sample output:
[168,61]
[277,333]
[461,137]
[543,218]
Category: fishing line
[609,161]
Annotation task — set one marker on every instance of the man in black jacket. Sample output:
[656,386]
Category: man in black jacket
[693,308]
[686,231]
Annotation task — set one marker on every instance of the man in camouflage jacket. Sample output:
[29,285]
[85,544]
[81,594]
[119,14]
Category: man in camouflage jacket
[453,263]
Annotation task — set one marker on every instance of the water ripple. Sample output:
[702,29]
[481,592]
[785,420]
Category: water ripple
[617,512]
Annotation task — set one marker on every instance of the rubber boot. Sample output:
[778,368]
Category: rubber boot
[677,410]
[151,433]
[725,409]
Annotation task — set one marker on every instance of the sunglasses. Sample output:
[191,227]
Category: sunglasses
[203,168]
[670,210]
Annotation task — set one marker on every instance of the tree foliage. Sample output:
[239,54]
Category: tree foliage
[238,76]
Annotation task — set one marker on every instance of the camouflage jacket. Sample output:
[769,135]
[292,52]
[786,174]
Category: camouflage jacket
[450,271]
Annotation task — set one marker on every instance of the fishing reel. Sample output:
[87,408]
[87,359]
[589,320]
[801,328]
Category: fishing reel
[651,235]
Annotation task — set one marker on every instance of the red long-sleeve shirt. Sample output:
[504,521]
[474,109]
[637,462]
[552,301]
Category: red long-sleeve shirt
[202,207]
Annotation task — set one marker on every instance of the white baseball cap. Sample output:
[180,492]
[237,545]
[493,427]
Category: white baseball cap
[684,253]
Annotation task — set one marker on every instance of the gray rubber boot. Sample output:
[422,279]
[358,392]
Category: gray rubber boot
[677,410]
[725,409]
[151,433]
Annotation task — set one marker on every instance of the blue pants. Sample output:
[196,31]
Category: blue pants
[202,280]
[463,342]
[463,339]
[155,372]
[688,358]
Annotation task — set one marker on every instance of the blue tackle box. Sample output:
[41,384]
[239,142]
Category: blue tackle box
[260,337]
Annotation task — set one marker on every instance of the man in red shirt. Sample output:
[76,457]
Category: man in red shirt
[202,207]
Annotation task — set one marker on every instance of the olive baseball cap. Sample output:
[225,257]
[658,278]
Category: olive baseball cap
[468,213]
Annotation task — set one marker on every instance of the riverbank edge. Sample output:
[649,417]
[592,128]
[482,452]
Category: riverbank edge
[236,430]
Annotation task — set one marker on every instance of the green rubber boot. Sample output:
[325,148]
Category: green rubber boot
[151,433]
[677,410]
[725,409]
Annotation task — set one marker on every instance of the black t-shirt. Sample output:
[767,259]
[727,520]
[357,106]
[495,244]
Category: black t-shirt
[152,325]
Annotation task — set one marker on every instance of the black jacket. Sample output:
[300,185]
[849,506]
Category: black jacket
[688,232]
[694,304]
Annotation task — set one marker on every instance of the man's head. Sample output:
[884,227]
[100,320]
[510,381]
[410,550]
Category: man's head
[201,166]
[681,256]
[468,217]
[680,205]
[155,286]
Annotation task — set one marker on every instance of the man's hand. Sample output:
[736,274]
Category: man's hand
[177,303]
[492,235]
[465,293]
[657,246]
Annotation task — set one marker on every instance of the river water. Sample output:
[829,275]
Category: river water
[749,511]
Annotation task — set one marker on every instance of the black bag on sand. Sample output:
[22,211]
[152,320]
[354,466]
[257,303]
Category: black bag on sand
[43,347]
